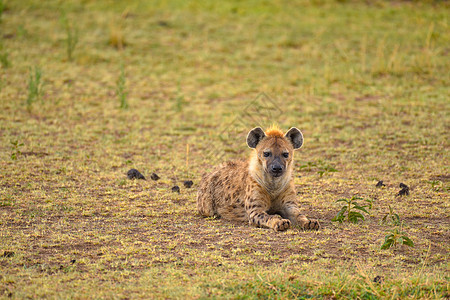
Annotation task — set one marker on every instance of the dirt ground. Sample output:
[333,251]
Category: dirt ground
[173,88]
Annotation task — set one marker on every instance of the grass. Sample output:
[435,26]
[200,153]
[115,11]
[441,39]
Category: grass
[366,83]
[2,8]
[121,89]
[4,61]
[34,86]
[15,151]
[71,36]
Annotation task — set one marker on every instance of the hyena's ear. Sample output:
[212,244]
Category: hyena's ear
[295,136]
[255,136]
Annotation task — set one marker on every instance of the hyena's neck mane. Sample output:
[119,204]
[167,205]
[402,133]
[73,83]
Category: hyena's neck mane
[274,186]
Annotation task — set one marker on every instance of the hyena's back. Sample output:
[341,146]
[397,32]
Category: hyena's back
[222,192]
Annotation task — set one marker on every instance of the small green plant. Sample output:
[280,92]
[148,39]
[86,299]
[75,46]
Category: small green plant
[391,217]
[436,185]
[352,210]
[121,89]
[179,100]
[2,8]
[71,36]
[325,168]
[396,237]
[22,32]
[321,167]
[15,151]
[7,200]
[34,86]
[4,61]
[308,166]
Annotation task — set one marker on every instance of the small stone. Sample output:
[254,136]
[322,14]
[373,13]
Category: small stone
[154,176]
[176,189]
[135,174]
[404,190]
[380,184]
[163,23]
[9,35]
[188,183]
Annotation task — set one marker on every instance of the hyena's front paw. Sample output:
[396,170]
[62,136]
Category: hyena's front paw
[279,224]
[309,224]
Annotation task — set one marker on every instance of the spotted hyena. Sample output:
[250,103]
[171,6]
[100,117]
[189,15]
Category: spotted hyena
[260,190]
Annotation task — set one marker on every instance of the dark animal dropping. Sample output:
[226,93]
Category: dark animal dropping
[135,174]
[380,184]
[378,279]
[404,190]
[154,176]
[163,23]
[8,254]
[176,189]
[188,183]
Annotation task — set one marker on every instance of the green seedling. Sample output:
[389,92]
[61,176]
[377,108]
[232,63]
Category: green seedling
[396,237]
[352,210]
[121,89]
[4,61]
[326,169]
[179,100]
[2,8]
[15,149]
[436,185]
[34,86]
[321,167]
[22,32]
[7,200]
[391,217]
[71,36]
[308,166]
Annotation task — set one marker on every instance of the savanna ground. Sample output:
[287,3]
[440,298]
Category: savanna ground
[366,82]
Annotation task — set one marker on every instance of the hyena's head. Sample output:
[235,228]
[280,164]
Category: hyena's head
[275,150]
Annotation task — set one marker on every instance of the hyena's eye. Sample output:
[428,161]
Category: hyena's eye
[266,153]
[286,154]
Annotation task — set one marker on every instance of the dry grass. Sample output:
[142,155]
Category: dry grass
[366,83]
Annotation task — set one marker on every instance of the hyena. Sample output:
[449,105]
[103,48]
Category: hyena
[261,190]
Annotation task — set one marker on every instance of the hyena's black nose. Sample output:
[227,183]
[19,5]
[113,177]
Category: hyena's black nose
[277,168]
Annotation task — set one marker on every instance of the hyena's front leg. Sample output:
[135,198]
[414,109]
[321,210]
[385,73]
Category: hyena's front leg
[291,211]
[258,216]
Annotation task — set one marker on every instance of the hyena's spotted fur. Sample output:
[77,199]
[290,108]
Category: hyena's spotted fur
[261,190]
